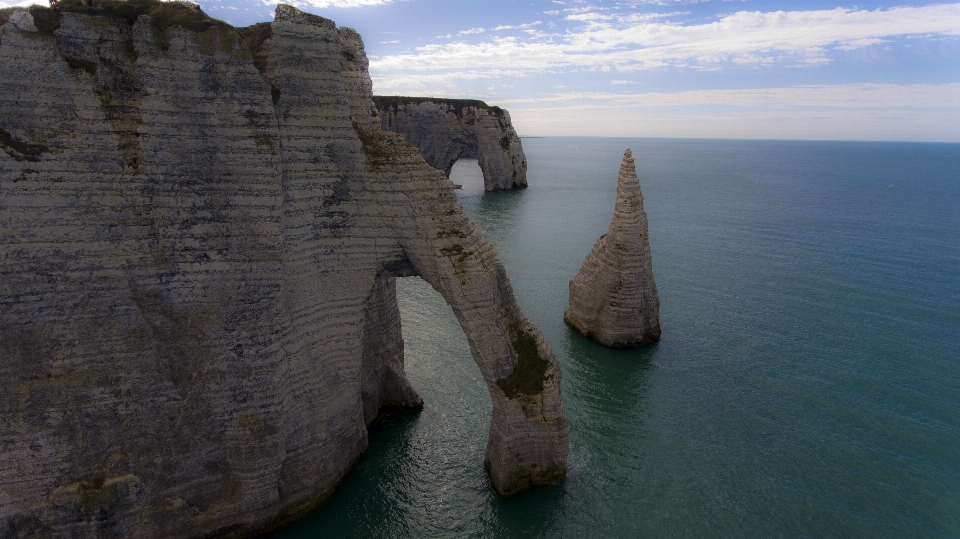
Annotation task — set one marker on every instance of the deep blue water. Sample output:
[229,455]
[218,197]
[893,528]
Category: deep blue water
[808,379]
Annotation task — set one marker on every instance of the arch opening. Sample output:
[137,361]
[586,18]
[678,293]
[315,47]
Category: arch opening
[466,173]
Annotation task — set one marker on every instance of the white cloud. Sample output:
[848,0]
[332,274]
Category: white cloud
[666,2]
[927,125]
[472,31]
[859,43]
[435,85]
[517,27]
[854,112]
[841,96]
[641,17]
[23,3]
[589,16]
[627,44]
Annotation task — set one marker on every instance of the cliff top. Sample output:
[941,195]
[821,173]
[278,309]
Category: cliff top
[384,102]
[162,14]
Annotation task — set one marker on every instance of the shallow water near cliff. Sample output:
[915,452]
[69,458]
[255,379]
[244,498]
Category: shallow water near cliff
[807,383]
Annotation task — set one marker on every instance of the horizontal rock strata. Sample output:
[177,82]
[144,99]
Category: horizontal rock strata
[445,130]
[199,236]
[613,299]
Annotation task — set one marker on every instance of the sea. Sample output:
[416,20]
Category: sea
[807,384]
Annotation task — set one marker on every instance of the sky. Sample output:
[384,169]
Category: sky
[783,69]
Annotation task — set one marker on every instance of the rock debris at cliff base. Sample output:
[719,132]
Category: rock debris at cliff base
[613,298]
[199,232]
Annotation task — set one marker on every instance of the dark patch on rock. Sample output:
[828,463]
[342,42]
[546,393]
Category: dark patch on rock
[528,376]
[376,147]
[256,39]
[25,354]
[183,349]
[82,65]
[46,20]
[20,150]
[455,251]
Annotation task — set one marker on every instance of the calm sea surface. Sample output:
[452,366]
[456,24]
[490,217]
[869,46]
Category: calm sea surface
[807,383]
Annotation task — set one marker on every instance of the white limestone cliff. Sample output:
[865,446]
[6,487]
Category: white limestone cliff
[445,130]
[199,236]
[613,298]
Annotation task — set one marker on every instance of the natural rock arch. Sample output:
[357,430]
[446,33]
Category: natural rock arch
[199,269]
[445,130]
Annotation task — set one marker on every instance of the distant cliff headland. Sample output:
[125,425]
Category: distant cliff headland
[445,130]
[201,231]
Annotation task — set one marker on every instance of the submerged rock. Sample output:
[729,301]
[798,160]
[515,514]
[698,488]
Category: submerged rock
[445,130]
[199,233]
[613,299]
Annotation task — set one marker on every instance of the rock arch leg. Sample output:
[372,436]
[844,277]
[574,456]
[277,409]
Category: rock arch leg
[383,382]
[529,435]
[500,153]
[528,439]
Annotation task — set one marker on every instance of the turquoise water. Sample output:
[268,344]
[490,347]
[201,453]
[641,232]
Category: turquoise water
[807,383]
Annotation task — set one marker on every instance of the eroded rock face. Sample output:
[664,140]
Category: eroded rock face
[613,299]
[445,130]
[199,240]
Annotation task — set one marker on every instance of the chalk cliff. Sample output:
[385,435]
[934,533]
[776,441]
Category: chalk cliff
[200,233]
[445,130]
[613,299]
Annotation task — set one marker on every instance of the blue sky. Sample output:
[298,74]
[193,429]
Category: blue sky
[814,69]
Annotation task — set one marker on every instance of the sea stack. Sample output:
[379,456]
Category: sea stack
[613,299]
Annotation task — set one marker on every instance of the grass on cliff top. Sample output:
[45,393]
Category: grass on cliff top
[162,14]
[255,36]
[384,102]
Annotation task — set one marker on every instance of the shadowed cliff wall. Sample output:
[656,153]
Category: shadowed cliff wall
[199,236]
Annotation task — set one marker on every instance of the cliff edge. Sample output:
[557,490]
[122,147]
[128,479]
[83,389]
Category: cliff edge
[200,231]
[613,298]
[445,130]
